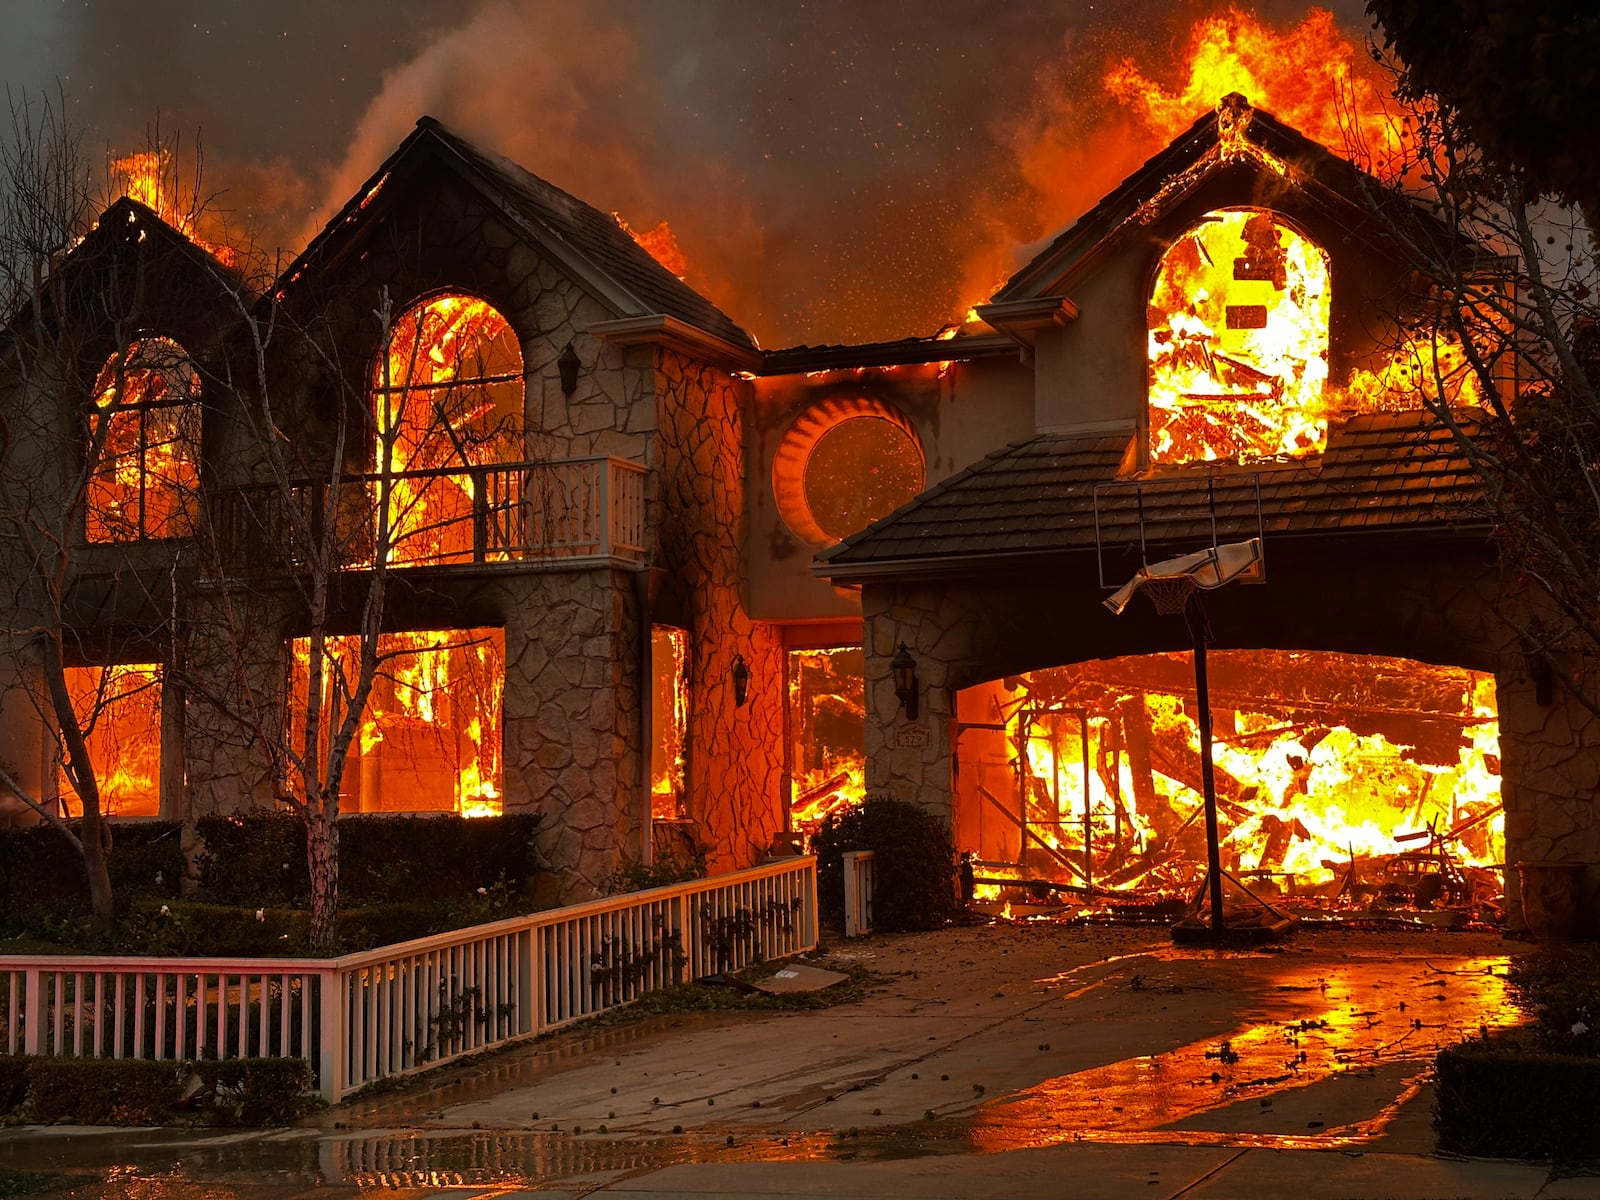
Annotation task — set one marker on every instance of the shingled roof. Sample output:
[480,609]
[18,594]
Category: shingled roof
[637,285]
[1036,500]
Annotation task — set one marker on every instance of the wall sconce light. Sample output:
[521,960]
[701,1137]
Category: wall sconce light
[740,674]
[904,668]
[568,365]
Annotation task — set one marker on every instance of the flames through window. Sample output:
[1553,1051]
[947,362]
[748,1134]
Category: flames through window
[429,740]
[144,481]
[1238,342]
[119,710]
[448,396]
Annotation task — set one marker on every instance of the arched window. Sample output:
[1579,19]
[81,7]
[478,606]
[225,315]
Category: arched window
[843,464]
[447,395]
[1238,342]
[144,479]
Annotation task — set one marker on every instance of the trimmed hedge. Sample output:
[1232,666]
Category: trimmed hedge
[1498,1099]
[258,859]
[42,886]
[90,1091]
[915,869]
[255,1091]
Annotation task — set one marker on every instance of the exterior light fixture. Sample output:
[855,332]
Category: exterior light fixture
[740,674]
[568,365]
[904,668]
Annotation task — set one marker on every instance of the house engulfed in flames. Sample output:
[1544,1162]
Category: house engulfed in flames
[654,582]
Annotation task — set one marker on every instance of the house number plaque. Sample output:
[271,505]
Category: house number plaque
[911,736]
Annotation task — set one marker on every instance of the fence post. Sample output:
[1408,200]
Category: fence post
[33,1030]
[331,1047]
[858,882]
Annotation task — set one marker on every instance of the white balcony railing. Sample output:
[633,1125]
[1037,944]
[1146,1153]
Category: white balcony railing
[408,1007]
[560,509]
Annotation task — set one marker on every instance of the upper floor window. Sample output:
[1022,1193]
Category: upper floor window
[144,480]
[1238,342]
[447,395]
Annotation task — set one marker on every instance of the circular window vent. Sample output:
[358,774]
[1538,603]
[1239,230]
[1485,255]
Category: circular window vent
[843,464]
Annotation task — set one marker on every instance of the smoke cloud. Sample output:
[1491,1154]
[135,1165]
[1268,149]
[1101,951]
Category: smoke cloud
[834,171]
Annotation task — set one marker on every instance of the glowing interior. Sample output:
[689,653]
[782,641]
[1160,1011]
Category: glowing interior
[1238,343]
[447,394]
[119,708]
[1325,764]
[827,753]
[669,721]
[429,740]
[145,482]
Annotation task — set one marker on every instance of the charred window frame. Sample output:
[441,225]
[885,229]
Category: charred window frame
[144,446]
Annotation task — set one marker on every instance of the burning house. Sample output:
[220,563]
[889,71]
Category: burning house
[675,591]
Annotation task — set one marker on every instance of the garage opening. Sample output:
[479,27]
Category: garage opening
[1344,782]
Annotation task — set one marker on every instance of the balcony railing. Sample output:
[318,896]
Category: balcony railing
[562,509]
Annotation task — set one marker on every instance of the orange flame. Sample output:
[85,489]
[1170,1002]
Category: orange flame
[119,707]
[429,739]
[148,177]
[660,243]
[1306,76]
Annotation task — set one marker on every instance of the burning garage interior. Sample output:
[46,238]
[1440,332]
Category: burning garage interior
[684,595]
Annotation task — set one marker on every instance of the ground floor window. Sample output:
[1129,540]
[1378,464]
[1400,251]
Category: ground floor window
[119,710]
[669,722]
[827,728]
[430,738]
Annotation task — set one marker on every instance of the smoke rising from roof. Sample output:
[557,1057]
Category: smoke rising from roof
[834,171]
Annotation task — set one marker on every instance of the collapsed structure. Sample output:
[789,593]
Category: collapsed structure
[680,593]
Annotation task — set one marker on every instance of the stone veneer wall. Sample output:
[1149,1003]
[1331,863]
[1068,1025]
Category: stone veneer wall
[735,753]
[571,712]
[959,635]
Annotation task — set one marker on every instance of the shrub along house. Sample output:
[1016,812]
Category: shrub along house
[669,589]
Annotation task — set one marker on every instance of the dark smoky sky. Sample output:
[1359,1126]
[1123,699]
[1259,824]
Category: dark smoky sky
[834,170]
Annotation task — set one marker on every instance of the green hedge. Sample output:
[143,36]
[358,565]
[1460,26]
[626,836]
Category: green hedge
[89,1091]
[1499,1099]
[259,858]
[915,867]
[42,885]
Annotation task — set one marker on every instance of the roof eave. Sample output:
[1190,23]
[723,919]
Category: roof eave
[663,330]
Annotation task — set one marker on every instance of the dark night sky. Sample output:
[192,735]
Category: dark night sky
[834,169]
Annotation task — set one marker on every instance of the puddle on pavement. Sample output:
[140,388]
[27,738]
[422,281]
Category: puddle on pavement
[1324,1021]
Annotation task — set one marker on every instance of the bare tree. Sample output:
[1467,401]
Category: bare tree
[387,472]
[99,449]
[1498,338]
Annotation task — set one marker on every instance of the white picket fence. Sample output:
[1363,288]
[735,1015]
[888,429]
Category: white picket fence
[411,1006]
[860,885]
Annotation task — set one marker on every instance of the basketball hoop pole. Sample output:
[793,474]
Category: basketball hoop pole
[1195,615]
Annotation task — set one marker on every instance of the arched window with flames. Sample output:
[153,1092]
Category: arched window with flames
[448,397]
[1238,342]
[144,435]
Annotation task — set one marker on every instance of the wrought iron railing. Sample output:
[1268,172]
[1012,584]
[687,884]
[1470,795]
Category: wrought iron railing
[560,509]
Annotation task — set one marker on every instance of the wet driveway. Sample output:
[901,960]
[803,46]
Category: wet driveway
[977,1042]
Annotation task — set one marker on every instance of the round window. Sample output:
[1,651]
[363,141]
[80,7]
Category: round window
[842,465]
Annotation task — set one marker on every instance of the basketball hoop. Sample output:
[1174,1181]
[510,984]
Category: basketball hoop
[1169,595]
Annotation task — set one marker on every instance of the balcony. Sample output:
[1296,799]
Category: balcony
[570,512]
